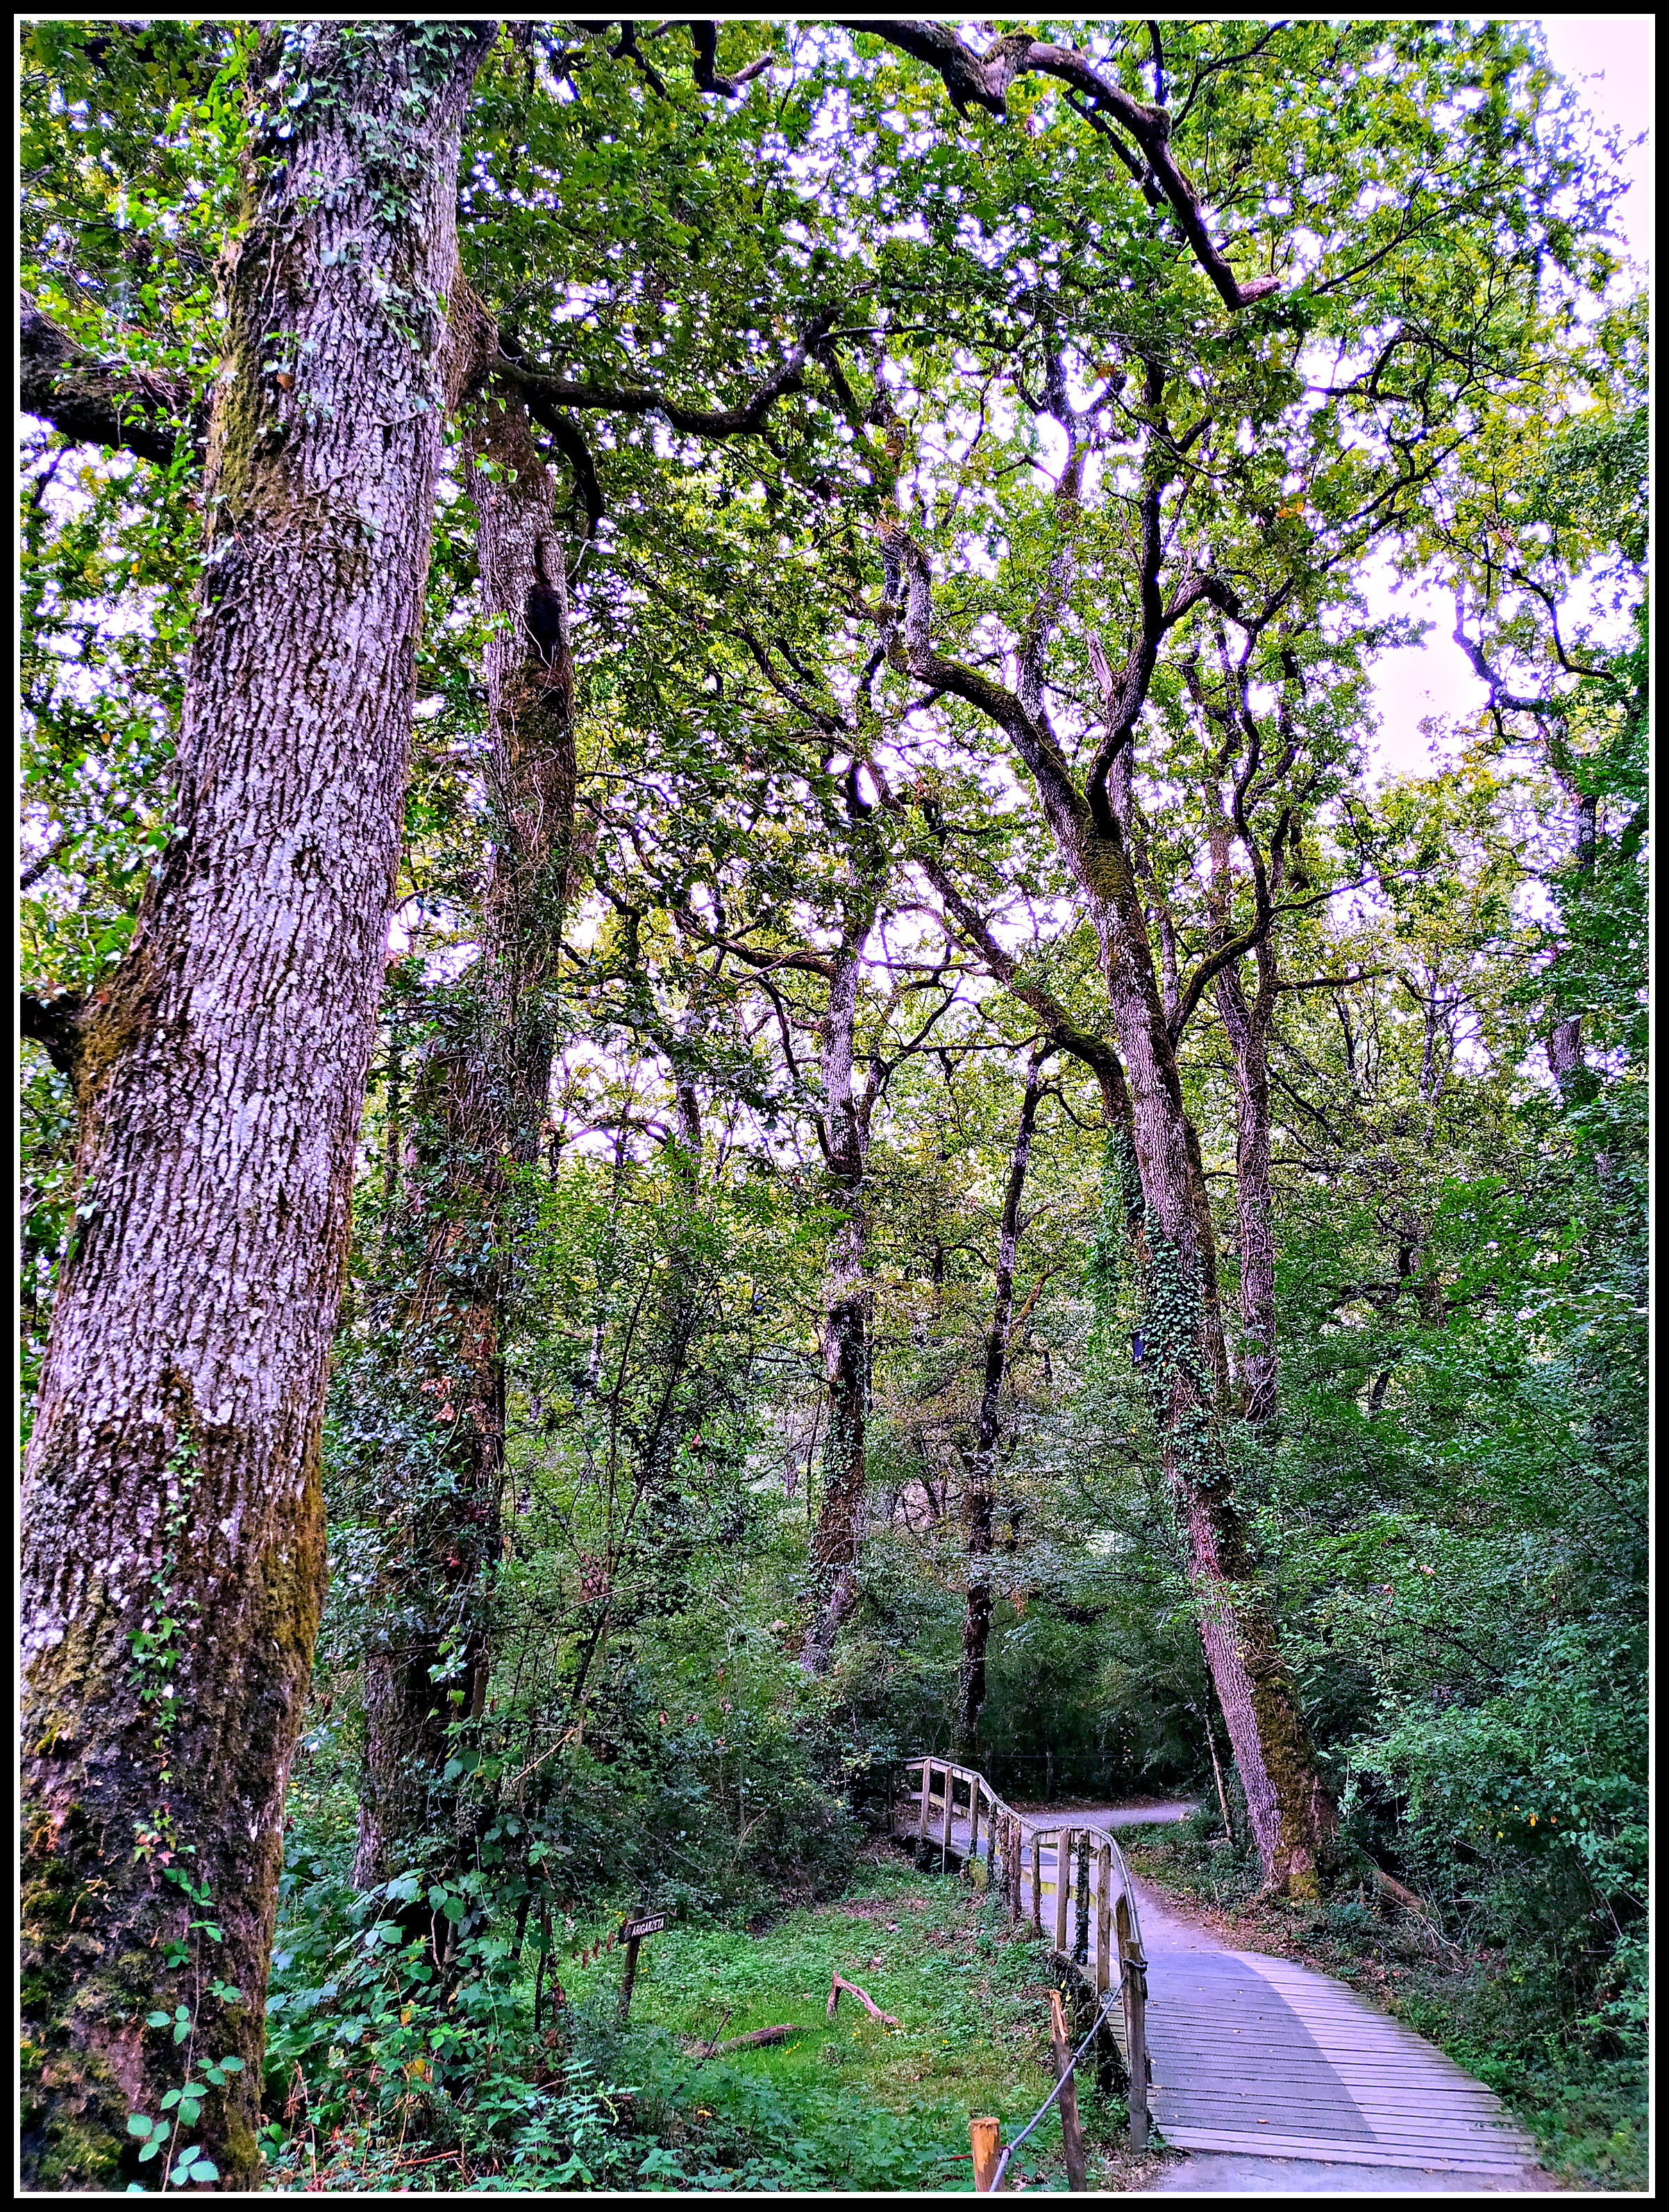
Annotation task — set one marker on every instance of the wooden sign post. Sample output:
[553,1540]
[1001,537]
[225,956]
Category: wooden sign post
[646,1923]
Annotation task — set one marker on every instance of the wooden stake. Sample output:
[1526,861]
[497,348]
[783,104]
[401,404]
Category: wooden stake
[1062,1885]
[988,2139]
[1104,1920]
[1037,1882]
[1071,2135]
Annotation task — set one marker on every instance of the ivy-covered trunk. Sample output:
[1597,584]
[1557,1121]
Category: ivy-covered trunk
[172,1535]
[982,1461]
[1292,1814]
[840,1527]
[1246,1022]
[480,1100]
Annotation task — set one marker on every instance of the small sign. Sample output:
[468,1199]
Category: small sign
[650,1924]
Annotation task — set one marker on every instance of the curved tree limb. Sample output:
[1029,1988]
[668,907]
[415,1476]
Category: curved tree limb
[538,386]
[102,402]
[983,80]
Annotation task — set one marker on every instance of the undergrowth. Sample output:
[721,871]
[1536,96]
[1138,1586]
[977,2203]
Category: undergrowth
[379,2087]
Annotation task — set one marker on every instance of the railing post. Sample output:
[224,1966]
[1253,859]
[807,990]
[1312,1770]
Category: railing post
[1071,2135]
[945,1837]
[1081,1916]
[1016,1838]
[1037,1881]
[1135,1967]
[927,1796]
[974,1789]
[1063,1886]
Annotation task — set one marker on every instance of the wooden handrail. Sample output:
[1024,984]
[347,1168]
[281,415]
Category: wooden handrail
[1118,1960]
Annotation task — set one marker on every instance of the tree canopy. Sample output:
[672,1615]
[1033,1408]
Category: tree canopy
[734,1063]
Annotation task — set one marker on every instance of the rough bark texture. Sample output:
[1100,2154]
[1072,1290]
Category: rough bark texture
[480,1099]
[172,1536]
[981,1462]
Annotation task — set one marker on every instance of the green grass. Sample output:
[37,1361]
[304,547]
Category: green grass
[847,2104]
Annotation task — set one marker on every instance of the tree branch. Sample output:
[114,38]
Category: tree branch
[538,385]
[109,404]
[53,1023]
[983,80]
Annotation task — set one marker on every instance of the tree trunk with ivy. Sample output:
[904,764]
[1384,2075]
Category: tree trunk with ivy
[838,1531]
[981,1459]
[1185,1358]
[478,1104]
[173,1530]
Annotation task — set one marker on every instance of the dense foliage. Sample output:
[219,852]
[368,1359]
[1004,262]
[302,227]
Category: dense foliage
[1448,1505]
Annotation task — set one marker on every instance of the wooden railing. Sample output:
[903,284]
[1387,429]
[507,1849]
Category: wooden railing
[929,1811]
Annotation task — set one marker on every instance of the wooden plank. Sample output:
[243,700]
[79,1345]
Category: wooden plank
[1265,2142]
[1062,1892]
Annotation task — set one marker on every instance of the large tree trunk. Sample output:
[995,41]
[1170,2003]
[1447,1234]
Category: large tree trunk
[480,1100]
[981,1464]
[172,1532]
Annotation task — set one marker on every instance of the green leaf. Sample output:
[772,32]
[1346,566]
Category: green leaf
[139,2124]
[159,2019]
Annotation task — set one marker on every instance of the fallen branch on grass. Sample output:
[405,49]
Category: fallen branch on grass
[1411,1904]
[863,1997]
[749,2042]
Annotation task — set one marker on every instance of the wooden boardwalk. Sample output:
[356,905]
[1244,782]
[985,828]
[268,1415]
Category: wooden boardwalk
[1258,2055]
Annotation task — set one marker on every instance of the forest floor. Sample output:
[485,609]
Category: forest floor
[1584,2131]
[850,2104]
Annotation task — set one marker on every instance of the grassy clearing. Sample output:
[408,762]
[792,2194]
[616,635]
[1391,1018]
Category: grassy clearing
[848,2104]
[1585,2110]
